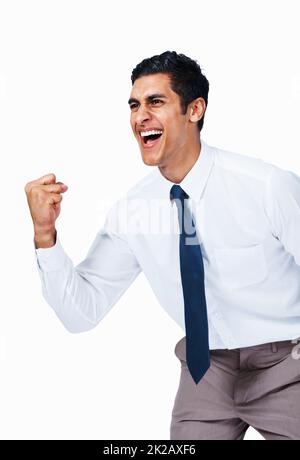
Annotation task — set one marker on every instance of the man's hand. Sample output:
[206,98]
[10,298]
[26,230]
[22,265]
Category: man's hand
[44,198]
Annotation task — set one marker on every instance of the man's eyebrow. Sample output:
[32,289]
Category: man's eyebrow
[149,98]
[131,100]
[156,96]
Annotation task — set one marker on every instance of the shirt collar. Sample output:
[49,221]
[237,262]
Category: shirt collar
[195,181]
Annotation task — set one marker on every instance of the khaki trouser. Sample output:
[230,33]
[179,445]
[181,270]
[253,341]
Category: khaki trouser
[255,386]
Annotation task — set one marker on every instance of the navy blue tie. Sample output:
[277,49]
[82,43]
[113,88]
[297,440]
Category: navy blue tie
[192,278]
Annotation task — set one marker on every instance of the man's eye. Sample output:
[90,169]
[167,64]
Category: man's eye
[156,101]
[133,106]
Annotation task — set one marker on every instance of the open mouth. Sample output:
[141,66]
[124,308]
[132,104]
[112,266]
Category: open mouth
[150,138]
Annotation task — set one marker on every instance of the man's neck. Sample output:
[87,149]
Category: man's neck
[176,171]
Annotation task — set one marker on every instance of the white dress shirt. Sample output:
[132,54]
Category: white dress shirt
[248,225]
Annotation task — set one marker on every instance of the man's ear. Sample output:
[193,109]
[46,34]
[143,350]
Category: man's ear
[197,109]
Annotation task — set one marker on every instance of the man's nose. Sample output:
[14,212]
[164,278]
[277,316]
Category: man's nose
[142,114]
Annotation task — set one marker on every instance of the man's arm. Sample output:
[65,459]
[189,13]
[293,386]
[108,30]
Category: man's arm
[282,207]
[81,295]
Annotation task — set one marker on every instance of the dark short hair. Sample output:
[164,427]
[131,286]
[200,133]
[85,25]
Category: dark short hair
[186,77]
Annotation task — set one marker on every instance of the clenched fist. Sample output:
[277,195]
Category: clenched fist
[44,196]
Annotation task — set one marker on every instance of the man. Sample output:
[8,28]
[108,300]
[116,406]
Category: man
[227,272]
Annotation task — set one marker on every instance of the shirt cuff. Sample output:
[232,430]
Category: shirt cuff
[50,259]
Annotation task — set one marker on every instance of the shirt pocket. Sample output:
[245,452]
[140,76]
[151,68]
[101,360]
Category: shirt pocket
[241,267]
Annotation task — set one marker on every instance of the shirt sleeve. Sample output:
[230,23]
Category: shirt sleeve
[282,205]
[81,296]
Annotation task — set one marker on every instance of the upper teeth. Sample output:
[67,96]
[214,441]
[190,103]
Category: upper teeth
[150,133]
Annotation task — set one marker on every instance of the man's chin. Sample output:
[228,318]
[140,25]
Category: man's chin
[150,162]
[151,159]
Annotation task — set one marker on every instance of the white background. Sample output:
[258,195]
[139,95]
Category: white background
[64,84]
